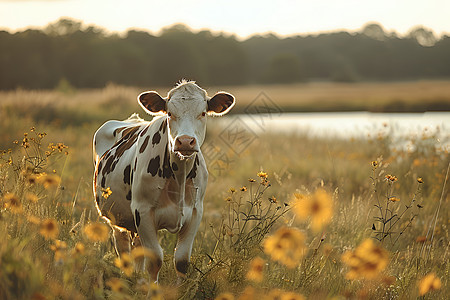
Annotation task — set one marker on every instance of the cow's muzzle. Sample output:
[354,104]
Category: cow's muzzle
[185,145]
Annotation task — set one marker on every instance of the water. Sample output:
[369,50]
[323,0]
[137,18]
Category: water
[403,128]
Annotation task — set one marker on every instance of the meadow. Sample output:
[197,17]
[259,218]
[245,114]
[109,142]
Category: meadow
[286,216]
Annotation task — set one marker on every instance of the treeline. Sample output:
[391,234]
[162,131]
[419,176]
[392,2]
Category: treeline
[68,51]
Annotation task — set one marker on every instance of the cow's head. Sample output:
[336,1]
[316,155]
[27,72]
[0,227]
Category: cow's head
[187,107]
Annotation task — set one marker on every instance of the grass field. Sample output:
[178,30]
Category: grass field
[366,235]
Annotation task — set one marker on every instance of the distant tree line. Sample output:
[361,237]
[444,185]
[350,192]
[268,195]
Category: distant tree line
[88,57]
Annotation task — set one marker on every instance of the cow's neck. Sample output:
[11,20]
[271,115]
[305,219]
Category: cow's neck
[181,169]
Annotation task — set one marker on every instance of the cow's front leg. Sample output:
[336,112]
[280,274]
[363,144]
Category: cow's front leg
[184,244]
[148,236]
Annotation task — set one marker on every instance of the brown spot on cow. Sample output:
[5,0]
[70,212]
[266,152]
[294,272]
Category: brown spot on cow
[144,144]
[166,169]
[137,218]
[108,164]
[113,166]
[163,126]
[99,166]
[127,133]
[156,138]
[129,195]
[193,173]
[118,130]
[174,166]
[143,132]
[127,140]
[127,175]
[124,146]
[153,166]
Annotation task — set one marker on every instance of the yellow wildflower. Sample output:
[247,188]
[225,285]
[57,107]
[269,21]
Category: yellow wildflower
[286,245]
[251,180]
[96,232]
[30,178]
[48,180]
[243,189]
[391,178]
[367,261]
[49,229]
[106,192]
[247,294]
[61,147]
[274,294]
[125,263]
[12,202]
[394,199]
[318,206]
[262,175]
[375,164]
[419,180]
[25,142]
[255,272]
[429,283]
[116,284]
[141,252]
[155,292]
[58,247]
[78,249]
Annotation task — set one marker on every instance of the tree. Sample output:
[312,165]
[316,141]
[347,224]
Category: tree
[423,36]
[283,68]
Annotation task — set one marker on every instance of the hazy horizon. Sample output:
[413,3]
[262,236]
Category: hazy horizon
[240,18]
[159,31]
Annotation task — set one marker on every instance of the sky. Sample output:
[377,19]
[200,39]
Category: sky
[240,17]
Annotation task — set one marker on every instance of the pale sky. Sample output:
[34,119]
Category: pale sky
[244,18]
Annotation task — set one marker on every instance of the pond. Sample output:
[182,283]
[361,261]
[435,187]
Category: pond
[402,128]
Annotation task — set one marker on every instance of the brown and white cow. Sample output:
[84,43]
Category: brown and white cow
[156,171]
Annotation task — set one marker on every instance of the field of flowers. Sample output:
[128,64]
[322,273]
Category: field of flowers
[288,217]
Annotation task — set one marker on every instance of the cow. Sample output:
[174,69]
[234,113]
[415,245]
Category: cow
[156,171]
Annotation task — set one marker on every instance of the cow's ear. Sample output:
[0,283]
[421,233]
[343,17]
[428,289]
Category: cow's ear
[152,103]
[220,104]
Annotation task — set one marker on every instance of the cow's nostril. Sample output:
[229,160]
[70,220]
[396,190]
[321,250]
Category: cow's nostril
[185,142]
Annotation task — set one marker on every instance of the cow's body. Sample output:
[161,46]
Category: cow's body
[156,171]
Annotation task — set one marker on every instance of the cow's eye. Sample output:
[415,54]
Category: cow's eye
[169,114]
[203,114]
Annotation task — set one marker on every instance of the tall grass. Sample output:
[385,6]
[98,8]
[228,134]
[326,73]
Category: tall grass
[250,206]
